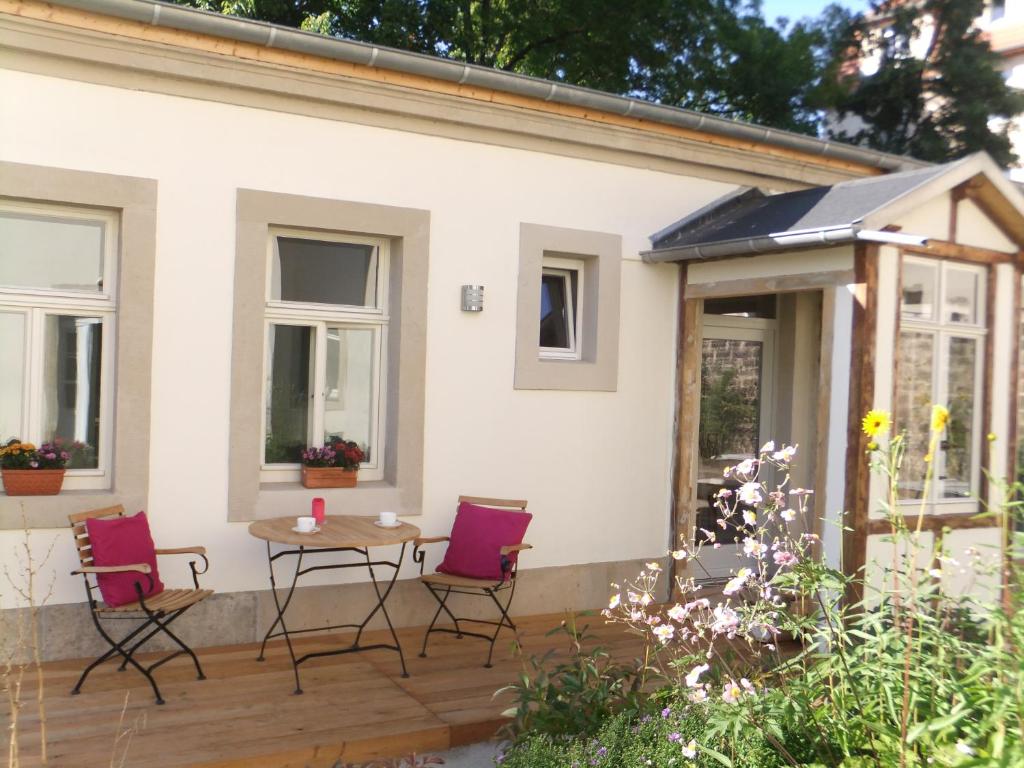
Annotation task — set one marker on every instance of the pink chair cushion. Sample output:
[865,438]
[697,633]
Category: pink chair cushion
[477,537]
[123,541]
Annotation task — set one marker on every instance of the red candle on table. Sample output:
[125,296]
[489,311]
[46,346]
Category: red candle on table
[318,510]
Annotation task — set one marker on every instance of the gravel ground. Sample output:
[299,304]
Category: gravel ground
[473,756]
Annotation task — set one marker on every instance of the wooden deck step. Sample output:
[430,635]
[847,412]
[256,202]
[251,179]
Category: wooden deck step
[354,708]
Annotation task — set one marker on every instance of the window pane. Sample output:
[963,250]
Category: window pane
[71,386]
[44,252]
[322,272]
[918,298]
[289,373]
[554,313]
[730,423]
[960,304]
[916,360]
[959,437]
[730,403]
[348,399]
[12,374]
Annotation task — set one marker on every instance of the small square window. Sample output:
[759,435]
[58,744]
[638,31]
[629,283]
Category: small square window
[560,310]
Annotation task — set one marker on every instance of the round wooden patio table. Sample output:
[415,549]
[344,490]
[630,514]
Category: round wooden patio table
[342,534]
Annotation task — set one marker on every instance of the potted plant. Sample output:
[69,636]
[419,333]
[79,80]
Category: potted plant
[31,471]
[334,465]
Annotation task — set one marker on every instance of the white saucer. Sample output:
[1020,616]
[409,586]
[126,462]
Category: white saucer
[395,524]
[297,530]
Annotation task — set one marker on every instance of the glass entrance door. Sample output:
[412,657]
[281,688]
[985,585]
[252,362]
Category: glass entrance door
[737,369]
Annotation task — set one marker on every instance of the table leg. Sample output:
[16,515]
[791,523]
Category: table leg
[381,597]
[280,613]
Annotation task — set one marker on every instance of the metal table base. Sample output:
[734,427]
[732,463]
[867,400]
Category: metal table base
[381,588]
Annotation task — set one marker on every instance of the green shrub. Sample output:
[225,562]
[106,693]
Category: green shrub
[656,739]
[909,676]
[575,696]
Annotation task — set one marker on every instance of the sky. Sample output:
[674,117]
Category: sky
[795,9]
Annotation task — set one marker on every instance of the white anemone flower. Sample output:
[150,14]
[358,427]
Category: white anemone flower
[750,493]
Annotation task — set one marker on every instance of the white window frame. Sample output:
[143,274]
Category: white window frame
[319,317]
[564,268]
[36,304]
[942,332]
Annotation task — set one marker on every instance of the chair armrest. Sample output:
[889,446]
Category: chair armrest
[420,541]
[136,568]
[182,551]
[515,548]
[419,556]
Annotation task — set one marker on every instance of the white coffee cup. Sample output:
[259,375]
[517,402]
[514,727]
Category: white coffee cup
[389,518]
[305,524]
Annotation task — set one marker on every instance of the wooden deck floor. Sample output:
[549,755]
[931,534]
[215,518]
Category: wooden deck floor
[354,708]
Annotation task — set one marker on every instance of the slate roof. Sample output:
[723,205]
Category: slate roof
[749,213]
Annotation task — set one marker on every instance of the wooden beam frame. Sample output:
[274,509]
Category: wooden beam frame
[941,249]
[936,523]
[862,393]
[810,281]
[822,425]
[684,474]
[988,381]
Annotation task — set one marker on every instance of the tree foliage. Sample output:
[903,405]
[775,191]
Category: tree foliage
[716,56]
[719,57]
[937,87]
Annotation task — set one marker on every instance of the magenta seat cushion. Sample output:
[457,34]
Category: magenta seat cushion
[123,541]
[477,537]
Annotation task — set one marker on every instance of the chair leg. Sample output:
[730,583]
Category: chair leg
[176,639]
[115,648]
[441,606]
[504,621]
[118,647]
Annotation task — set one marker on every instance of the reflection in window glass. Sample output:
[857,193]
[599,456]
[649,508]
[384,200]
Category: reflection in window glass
[324,272]
[12,374]
[348,400]
[960,438]
[916,356]
[289,371]
[730,421]
[555,310]
[71,386]
[918,300]
[960,303]
[51,253]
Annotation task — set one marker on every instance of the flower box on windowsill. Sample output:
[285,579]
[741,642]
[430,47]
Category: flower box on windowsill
[329,477]
[32,482]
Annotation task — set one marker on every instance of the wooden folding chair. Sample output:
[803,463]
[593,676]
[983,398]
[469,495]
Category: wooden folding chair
[444,585]
[155,612]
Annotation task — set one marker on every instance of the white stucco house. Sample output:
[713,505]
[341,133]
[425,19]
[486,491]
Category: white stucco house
[221,240]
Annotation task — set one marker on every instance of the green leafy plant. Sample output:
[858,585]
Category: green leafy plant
[667,736]
[573,696]
[893,670]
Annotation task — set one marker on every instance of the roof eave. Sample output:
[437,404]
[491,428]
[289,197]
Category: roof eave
[776,242]
[187,19]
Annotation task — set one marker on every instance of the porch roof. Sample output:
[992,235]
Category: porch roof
[749,221]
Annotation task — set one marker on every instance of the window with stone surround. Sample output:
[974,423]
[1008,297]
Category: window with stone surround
[939,359]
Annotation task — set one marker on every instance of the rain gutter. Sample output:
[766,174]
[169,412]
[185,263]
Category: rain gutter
[286,38]
[779,241]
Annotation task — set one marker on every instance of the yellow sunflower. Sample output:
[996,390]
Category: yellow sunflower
[876,423]
[940,417]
